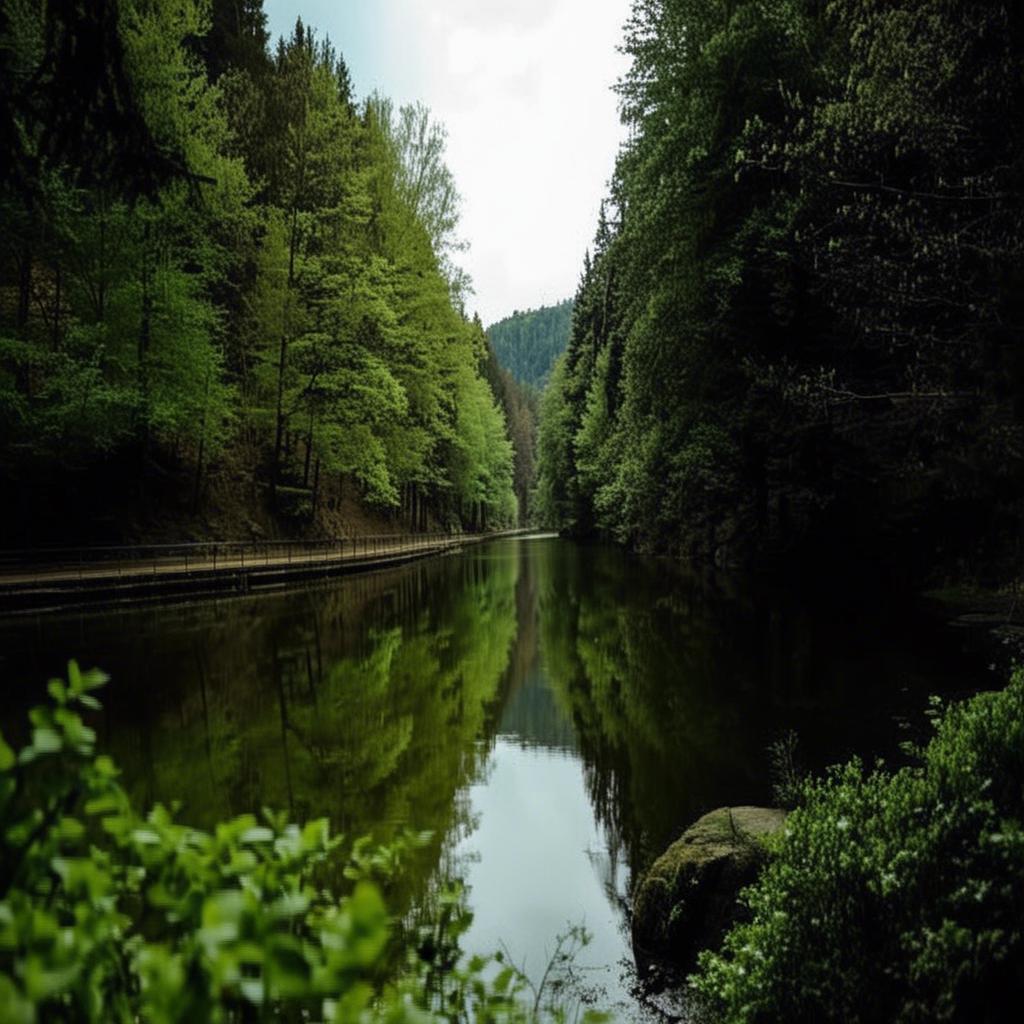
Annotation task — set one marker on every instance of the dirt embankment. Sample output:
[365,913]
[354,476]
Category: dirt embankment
[115,502]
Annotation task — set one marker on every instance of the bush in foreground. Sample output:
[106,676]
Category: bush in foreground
[108,915]
[894,896]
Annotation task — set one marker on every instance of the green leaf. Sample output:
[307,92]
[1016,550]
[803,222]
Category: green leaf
[42,982]
[81,682]
[257,834]
[94,679]
[15,1008]
[290,905]
[46,741]
[350,1007]
[252,990]
[70,829]
[105,767]
[503,980]
[288,971]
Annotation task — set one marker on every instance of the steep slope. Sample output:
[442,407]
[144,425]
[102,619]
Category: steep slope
[527,343]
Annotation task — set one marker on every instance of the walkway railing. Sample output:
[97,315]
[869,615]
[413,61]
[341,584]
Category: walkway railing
[133,561]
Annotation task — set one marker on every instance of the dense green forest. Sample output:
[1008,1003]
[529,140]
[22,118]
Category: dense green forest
[522,348]
[519,403]
[231,307]
[798,331]
[228,294]
[528,343]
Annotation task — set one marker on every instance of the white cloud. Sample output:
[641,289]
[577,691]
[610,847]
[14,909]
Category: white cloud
[524,87]
[525,90]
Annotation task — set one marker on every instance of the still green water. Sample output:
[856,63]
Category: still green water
[554,714]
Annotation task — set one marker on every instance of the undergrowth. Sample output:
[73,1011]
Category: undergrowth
[893,896]
[111,915]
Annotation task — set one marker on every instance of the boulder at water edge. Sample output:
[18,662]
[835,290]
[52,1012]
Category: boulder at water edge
[687,900]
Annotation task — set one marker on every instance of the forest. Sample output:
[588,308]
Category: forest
[656,655]
[529,342]
[229,291]
[796,339]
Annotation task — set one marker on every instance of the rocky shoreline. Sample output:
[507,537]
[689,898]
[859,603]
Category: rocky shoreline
[687,899]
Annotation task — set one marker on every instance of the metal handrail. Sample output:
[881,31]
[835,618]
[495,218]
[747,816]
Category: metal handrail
[205,555]
[195,545]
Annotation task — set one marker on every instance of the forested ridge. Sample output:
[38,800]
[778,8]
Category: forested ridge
[229,296]
[798,331]
[522,349]
[528,342]
[518,402]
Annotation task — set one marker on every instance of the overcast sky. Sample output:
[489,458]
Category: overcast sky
[524,88]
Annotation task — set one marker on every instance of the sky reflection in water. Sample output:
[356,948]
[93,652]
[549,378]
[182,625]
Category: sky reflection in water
[554,714]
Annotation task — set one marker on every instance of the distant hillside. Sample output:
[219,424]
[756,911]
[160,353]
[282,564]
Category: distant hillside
[528,343]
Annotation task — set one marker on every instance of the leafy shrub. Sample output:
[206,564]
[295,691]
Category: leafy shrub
[784,769]
[893,896]
[108,915]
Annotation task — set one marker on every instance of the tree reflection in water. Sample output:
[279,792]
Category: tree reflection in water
[554,714]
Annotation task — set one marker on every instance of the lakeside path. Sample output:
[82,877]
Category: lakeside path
[30,581]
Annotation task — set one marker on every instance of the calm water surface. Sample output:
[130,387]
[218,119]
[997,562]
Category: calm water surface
[554,714]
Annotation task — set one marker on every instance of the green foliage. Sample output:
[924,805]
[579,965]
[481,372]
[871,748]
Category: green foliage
[108,914]
[519,404]
[893,895]
[528,342]
[482,466]
[554,502]
[797,316]
[285,304]
[67,99]
[787,778]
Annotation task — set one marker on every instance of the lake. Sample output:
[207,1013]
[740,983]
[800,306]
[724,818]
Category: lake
[553,714]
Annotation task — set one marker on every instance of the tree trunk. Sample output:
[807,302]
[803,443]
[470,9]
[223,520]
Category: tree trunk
[58,281]
[197,489]
[309,452]
[275,472]
[24,287]
[145,338]
[24,376]
[101,284]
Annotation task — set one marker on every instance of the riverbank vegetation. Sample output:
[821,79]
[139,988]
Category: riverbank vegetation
[893,895]
[519,404]
[796,336]
[227,283]
[108,914]
[231,303]
[795,346]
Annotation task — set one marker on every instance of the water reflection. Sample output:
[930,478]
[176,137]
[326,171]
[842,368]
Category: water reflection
[363,702]
[554,714]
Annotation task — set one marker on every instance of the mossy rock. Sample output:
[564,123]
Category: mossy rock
[686,902]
